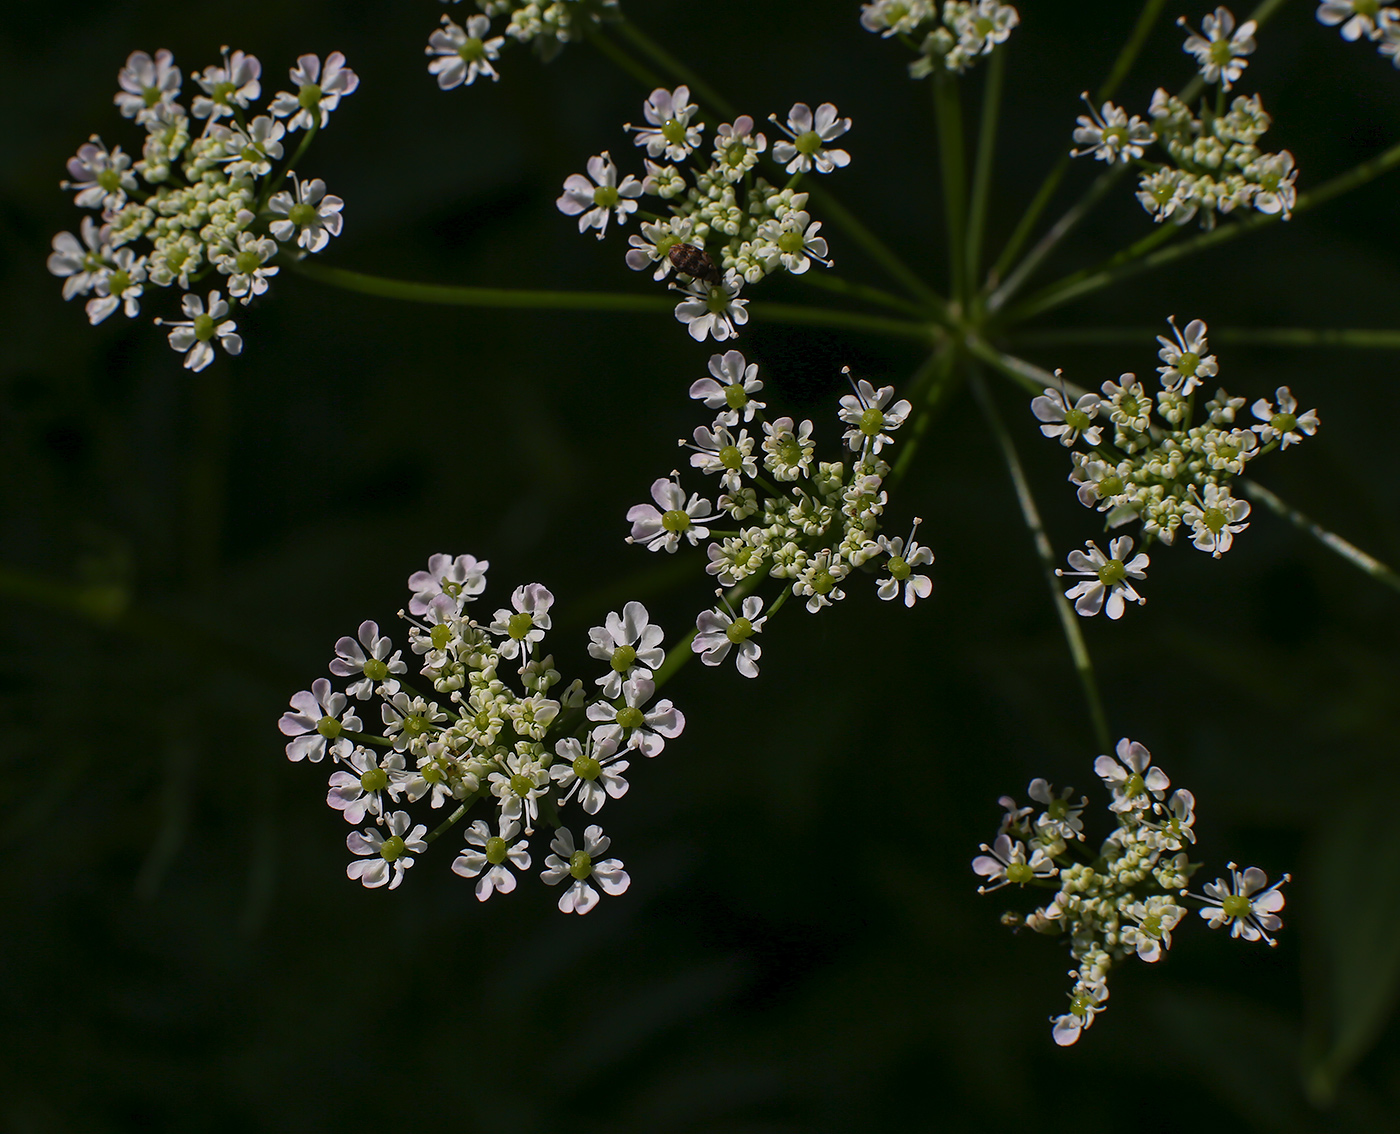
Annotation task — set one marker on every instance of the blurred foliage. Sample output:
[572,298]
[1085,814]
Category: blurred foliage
[802,948]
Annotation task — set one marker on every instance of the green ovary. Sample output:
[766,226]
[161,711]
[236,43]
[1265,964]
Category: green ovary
[309,97]
[630,717]
[1134,786]
[730,457]
[1077,420]
[675,520]
[808,143]
[606,196]
[473,50]
[495,850]
[1283,422]
[414,726]
[221,92]
[518,625]
[673,132]
[790,241]
[203,328]
[899,568]
[301,215]
[1112,573]
[872,421]
[1187,363]
[1152,925]
[376,779]
[822,582]
[734,152]
[1214,519]
[741,629]
[328,727]
[622,658]
[521,785]
[1236,906]
[247,263]
[734,396]
[587,768]
[983,25]
[119,282]
[718,300]
[392,849]
[1020,873]
[1111,486]
[1220,53]
[580,865]
[1366,7]
[1058,809]
[441,635]
[375,669]
[1117,134]
[790,452]
[110,180]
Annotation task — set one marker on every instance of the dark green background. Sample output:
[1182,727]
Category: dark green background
[802,948]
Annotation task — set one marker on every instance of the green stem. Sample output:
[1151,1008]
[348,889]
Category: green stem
[940,365]
[982,170]
[1069,621]
[1082,283]
[845,320]
[276,183]
[1348,551]
[1244,336]
[668,62]
[1023,373]
[948,112]
[616,55]
[828,281]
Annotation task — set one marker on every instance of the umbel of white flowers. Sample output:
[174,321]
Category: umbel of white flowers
[1124,900]
[953,40]
[727,226]
[1160,470]
[486,725]
[459,54]
[207,204]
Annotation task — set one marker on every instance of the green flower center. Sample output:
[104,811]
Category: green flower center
[175,258]
[872,421]
[1187,363]
[1270,181]
[375,669]
[1366,7]
[1220,52]
[302,215]
[1134,786]
[822,582]
[1077,420]
[1214,519]
[605,195]
[473,50]
[1117,134]
[730,457]
[392,849]
[736,397]
[1019,873]
[440,636]
[203,327]
[150,96]
[899,568]
[521,785]
[1130,406]
[309,97]
[247,262]
[376,779]
[664,244]
[482,720]
[1112,573]
[415,726]
[587,768]
[251,153]
[742,556]
[496,850]
[741,629]
[718,301]
[432,773]
[674,132]
[518,625]
[983,25]
[221,92]
[808,143]
[896,12]
[119,282]
[790,452]
[110,180]
[1227,450]
[1081,1004]
[580,865]
[630,717]
[622,658]
[1152,925]
[675,520]
[734,153]
[1236,905]
[1283,422]
[328,727]
[790,241]
[1111,485]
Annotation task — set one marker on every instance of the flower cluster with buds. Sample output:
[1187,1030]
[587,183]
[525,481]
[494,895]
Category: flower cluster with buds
[1216,165]
[815,523]
[460,53]
[1127,898]
[1364,19]
[1159,469]
[465,736]
[953,40]
[207,203]
[727,225]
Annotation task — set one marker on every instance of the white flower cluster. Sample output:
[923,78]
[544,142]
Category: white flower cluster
[1365,18]
[1124,900]
[467,737]
[729,227]
[1163,471]
[816,522]
[210,202]
[954,40]
[459,54]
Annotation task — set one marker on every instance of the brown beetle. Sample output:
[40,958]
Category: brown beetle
[695,262]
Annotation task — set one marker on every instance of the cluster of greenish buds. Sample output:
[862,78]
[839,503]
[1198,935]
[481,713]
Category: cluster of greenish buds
[951,39]
[547,25]
[1126,898]
[487,723]
[1160,469]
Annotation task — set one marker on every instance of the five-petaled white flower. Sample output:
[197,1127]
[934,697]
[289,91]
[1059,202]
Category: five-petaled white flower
[580,865]
[246,265]
[869,411]
[311,216]
[372,660]
[794,243]
[630,643]
[896,17]
[461,54]
[121,286]
[809,137]
[1131,777]
[1220,47]
[1110,135]
[460,579]
[713,310]
[670,132]
[904,556]
[591,770]
[1216,518]
[80,266]
[146,83]
[101,177]
[252,152]
[720,630]
[1244,902]
[592,204]
[634,725]
[1357,17]
[491,857]
[316,721]
[1287,423]
[719,451]
[191,337]
[787,451]
[361,790]
[1105,577]
[1067,422]
[737,148]
[1061,818]
[235,84]
[1149,930]
[1004,863]
[526,626]
[383,857]
[1187,364]
[518,787]
[731,389]
[318,91]
[1085,1002]
[661,527]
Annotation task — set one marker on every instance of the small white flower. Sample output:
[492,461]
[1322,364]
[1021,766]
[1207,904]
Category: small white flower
[870,413]
[252,152]
[1085,1002]
[904,556]
[1110,135]
[661,527]
[654,245]
[1177,829]
[1067,422]
[1243,901]
[718,631]
[730,390]
[1151,923]
[316,721]
[1287,424]
[80,266]
[579,865]
[1219,47]
[1127,404]
[246,266]
[631,645]
[311,216]
[1187,363]
[593,203]
[360,791]
[1004,863]
[1061,818]
[591,770]
[1361,18]
[101,177]
[788,452]
[191,337]
[1275,175]
[713,309]
[719,451]
[525,627]
[374,665]
[519,786]
[146,83]
[670,132]
[461,54]
[817,581]
[1105,577]
[737,148]
[1131,778]
[235,84]
[794,242]
[118,287]
[460,579]
[318,92]
[1216,518]
[646,730]
[980,26]
[896,17]
[492,856]
[385,857]
[410,723]
[810,136]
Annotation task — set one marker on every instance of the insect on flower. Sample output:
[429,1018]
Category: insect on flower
[694,262]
